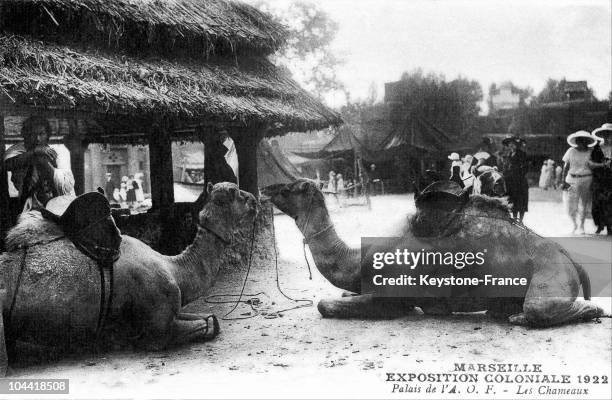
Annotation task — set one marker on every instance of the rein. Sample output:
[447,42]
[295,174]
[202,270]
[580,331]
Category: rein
[255,301]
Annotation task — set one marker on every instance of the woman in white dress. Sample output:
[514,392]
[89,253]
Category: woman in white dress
[466,174]
[139,192]
[577,193]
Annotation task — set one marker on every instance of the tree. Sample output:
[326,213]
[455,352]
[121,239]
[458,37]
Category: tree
[452,106]
[307,53]
[520,124]
[554,91]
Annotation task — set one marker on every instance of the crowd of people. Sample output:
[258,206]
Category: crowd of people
[585,178]
[511,161]
[342,188]
[128,194]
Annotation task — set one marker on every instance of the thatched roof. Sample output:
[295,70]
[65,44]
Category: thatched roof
[193,27]
[40,74]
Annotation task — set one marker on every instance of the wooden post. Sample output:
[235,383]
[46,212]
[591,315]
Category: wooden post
[160,159]
[246,147]
[4,196]
[75,144]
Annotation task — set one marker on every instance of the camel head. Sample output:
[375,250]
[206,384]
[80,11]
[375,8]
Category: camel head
[227,208]
[296,199]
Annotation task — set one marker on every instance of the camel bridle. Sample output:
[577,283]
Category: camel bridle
[214,232]
[303,228]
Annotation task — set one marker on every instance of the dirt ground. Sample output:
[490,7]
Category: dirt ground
[299,354]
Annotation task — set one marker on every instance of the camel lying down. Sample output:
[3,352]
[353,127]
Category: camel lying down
[53,291]
[480,222]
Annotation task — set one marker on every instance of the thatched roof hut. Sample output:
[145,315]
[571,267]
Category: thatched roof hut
[188,60]
[151,71]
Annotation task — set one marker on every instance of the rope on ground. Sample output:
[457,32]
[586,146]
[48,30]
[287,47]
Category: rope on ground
[254,301]
[251,302]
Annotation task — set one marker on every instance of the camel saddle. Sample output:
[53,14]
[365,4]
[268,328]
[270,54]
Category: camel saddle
[444,195]
[88,223]
[438,205]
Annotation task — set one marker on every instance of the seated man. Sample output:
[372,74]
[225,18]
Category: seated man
[33,164]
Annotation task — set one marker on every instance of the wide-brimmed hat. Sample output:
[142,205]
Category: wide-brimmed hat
[605,129]
[512,139]
[454,157]
[571,139]
[482,155]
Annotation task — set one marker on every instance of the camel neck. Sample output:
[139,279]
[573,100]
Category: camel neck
[197,267]
[337,262]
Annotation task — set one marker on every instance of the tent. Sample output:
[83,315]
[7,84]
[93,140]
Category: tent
[273,166]
[345,142]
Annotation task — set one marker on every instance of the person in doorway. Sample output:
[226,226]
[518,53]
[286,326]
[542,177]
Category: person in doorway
[138,180]
[131,192]
[109,187]
[216,168]
[578,178]
[32,164]
[516,178]
[123,189]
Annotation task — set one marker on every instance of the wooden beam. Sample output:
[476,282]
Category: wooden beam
[75,144]
[4,195]
[160,159]
[246,147]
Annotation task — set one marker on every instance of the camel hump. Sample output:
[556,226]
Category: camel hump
[32,229]
[445,195]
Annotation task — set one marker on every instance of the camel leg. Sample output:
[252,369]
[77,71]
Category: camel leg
[364,306]
[554,311]
[504,308]
[188,328]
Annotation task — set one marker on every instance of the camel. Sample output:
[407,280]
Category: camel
[57,299]
[554,279]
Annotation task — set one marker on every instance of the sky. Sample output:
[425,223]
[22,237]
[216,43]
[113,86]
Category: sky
[486,40]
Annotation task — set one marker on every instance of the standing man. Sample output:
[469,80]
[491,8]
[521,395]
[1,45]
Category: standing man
[32,164]
[216,168]
[516,178]
[364,179]
[109,187]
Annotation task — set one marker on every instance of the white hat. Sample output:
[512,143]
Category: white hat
[454,157]
[607,127]
[482,155]
[571,139]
